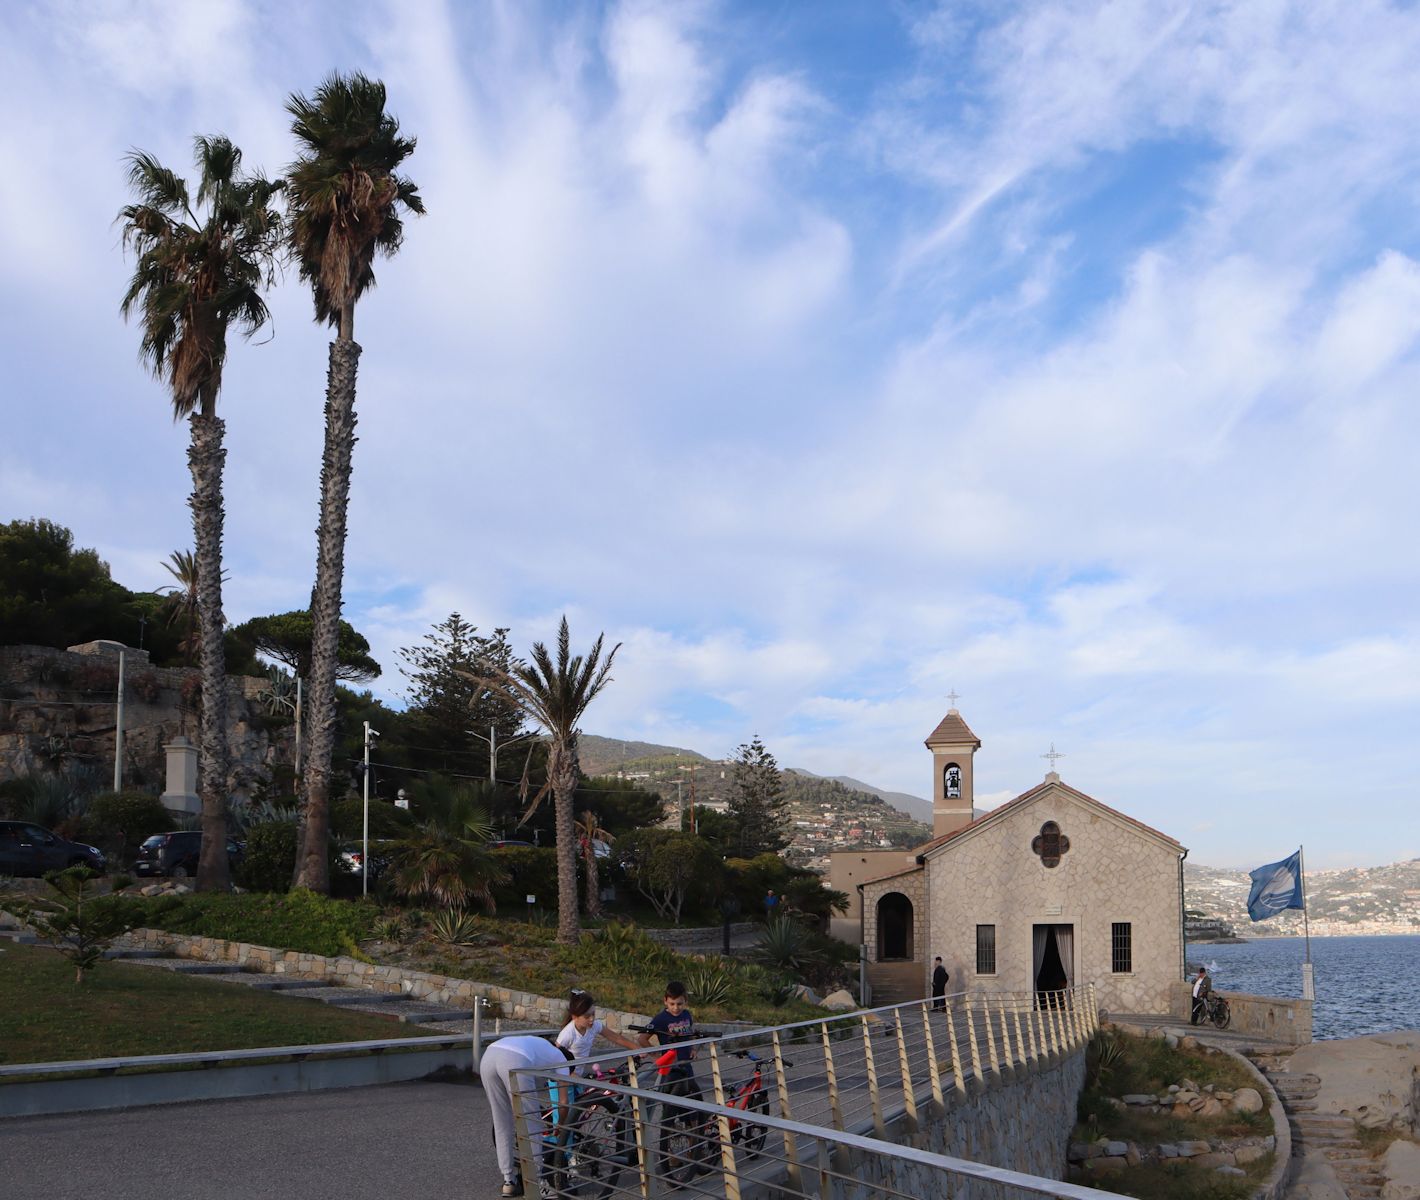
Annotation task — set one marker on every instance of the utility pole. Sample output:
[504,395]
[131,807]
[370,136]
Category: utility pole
[491,737]
[118,729]
[365,836]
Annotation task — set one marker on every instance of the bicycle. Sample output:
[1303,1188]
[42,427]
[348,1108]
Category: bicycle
[592,1147]
[1217,1010]
[689,1141]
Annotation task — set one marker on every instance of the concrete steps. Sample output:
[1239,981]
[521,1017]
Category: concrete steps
[1318,1135]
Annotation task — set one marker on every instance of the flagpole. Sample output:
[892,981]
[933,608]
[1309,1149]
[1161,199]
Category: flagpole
[1308,984]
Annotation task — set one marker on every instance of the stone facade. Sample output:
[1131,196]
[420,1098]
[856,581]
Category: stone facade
[59,713]
[1115,870]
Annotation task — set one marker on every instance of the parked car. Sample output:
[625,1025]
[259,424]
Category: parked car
[506,843]
[27,849]
[352,859]
[175,854]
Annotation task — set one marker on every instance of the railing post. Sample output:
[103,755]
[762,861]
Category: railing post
[1020,1040]
[872,1070]
[1078,1012]
[1030,1028]
[971,1039]
[957,1082]
[1072,1034]
[722,1128]
[990,1034]
[826,1183]
[791,1141]
[834,1104]
[1047,1038]
[1094,1010]
[1057,1027]
[522,1133]
[478,1004]
[909,1095]
[639,1117]
[932,1069]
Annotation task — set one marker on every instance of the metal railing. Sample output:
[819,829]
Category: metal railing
[805,1109]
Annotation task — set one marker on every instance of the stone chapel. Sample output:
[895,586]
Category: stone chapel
[1051,889]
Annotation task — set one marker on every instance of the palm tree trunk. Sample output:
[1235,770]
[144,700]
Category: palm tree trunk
[594,897]
[562,773]
[312,862]
[206,457]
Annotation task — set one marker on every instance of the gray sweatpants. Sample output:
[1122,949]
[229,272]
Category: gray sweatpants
[498,1060]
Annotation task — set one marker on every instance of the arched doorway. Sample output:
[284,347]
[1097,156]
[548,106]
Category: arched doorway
[895,928]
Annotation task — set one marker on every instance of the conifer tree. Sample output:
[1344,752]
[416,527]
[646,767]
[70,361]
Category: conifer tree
[758,803]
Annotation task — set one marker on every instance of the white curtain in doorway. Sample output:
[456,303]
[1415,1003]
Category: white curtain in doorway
[1065,947]
[1038,935]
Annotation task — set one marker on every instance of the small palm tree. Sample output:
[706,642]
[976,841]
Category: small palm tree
[181,599]
[346,203]
[447,860]
[589,833]
[556,696]
[202,264]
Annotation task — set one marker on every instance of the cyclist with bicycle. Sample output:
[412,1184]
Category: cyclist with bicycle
[1202,985]
[674,1023]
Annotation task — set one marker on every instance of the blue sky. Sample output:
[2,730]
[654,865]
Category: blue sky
[829,357]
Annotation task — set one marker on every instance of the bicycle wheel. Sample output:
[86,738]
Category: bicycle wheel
[1222,1014]
[598,1152]
[677,1147]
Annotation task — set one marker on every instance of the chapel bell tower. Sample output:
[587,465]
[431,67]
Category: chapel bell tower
[952,745]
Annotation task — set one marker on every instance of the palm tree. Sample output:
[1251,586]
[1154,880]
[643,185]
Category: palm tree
[345,203]
[201,267]
[589,833]
[556,696]
[446,860]
[181,601]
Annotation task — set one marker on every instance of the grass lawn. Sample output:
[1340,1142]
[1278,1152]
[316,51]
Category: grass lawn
[122,1009]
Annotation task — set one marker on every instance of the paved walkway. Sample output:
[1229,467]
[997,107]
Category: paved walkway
[1229,1039]
[407,1139]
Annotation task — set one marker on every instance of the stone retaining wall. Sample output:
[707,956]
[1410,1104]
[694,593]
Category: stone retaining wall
[711,936]
[351,972]
[1282,1019]
[1021,1124]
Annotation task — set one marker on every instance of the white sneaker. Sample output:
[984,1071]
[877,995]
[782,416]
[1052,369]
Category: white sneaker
[546,1191]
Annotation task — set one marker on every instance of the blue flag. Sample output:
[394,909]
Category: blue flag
[1275,887]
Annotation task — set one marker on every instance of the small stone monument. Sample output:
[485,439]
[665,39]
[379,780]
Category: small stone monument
[180,796]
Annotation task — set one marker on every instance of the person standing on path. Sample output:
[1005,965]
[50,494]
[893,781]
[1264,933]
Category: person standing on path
[505,1055]
[1202,985]
[771,903]
[939,986]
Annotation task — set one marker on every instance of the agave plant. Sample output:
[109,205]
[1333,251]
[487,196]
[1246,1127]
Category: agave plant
[785,946]
[709,982]
[454,927]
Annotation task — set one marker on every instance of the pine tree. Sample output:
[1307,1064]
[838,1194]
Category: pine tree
[759,805]
[445,700]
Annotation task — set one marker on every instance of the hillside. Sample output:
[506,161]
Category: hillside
[827,814]
[1353,900]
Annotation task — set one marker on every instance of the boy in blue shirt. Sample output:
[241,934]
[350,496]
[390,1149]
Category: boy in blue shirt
[674,1023]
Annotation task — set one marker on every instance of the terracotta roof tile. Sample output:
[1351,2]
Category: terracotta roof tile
[954,731]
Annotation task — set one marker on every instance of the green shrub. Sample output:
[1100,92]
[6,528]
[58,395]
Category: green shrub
[531,871]
[126,819]
[299,920]
[347,819]
[270,860]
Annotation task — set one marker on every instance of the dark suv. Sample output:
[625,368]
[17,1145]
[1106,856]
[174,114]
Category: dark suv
[27,849]
[176,854]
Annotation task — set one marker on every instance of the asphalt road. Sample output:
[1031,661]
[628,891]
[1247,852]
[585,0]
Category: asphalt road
[403,1139]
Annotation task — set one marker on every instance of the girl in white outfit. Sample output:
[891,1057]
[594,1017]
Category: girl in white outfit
[505,1055]
[582,1029]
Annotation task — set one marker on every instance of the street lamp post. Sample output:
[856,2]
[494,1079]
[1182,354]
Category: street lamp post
[365,835]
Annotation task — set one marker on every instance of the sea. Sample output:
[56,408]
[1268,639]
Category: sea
[1363,984]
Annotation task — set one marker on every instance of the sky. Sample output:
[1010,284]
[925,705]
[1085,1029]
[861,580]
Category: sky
[828,357]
